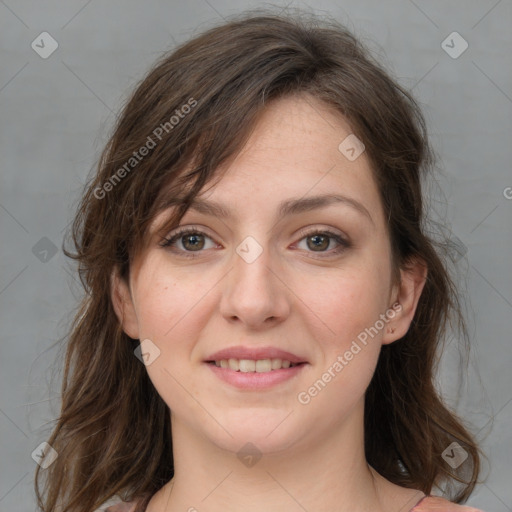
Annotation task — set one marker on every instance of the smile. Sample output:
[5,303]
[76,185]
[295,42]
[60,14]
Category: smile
[255,368]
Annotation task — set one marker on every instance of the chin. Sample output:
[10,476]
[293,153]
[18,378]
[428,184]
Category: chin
[269,430]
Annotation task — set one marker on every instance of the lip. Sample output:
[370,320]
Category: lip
[255,380]
[241,352]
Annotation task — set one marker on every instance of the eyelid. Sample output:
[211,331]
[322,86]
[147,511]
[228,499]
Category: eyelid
[311,230]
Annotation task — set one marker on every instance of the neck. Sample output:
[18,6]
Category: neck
[327,473]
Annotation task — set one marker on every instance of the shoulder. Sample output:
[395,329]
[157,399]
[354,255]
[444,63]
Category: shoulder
[437,504]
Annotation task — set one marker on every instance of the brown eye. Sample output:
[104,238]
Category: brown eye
[193,242]
[318,242]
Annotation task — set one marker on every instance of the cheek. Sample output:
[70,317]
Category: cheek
[164,316]
[351,309]
[170,304]
[172,310]
[348,299]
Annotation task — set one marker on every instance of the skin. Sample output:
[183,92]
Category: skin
[290,297]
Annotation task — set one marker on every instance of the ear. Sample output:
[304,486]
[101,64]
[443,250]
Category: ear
[123,305]
[405,297]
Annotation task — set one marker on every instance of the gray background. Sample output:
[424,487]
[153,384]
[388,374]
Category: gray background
[56,114]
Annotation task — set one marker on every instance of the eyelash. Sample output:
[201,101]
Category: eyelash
[168,242]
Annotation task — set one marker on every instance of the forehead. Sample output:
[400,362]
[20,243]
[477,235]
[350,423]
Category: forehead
[298,148]
[293,153]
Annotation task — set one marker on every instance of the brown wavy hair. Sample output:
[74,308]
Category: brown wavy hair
[113,435]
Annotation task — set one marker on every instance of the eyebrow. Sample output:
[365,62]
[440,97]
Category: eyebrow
[288,207]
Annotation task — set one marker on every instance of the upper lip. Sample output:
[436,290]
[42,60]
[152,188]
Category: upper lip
[254,353]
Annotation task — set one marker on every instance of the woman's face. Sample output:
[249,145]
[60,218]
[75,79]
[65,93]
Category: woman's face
[297,268]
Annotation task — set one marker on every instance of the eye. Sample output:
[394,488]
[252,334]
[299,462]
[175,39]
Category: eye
[188,240]
[319,241]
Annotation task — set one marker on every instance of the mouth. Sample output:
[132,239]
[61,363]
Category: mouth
[255,368]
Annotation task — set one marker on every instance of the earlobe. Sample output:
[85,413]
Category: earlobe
[123,305]
[407,295]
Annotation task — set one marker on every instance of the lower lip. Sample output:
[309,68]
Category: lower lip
[255,380]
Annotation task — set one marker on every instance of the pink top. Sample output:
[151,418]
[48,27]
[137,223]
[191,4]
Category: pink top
[437,504]
[426,504]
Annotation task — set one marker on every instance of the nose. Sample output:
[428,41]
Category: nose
[254,293]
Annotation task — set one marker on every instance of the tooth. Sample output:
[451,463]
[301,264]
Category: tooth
[250,365]
[263,365]
[276,364]
[247,365]
[234,364]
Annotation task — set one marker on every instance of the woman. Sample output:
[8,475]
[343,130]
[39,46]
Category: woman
[263,307]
